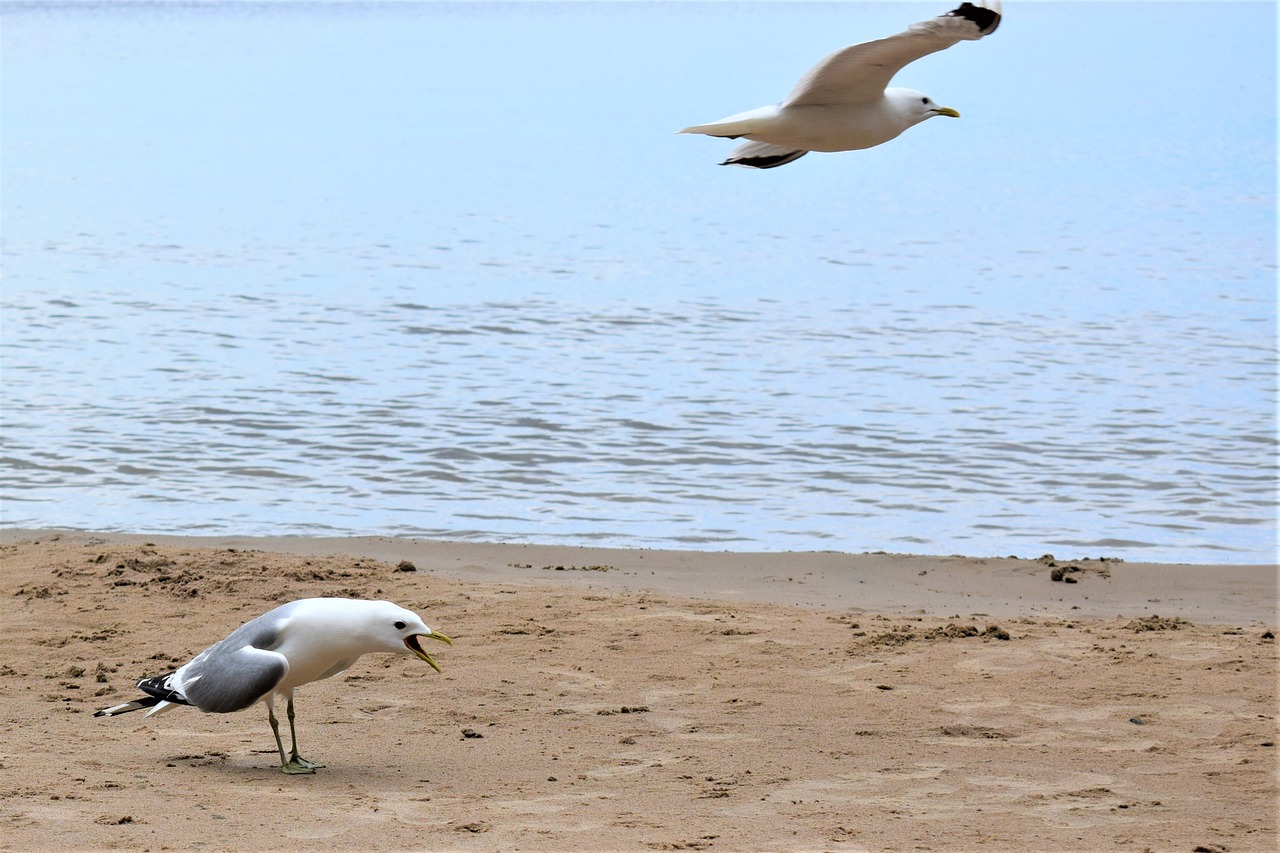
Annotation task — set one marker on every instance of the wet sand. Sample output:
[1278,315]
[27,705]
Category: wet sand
[601,699]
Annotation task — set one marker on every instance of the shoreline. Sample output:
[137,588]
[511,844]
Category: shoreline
[596,699]
[873,582]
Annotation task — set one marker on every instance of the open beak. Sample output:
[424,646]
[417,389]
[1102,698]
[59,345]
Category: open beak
[947,111]
[411,643]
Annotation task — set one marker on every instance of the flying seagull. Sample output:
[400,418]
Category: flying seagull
[842,104]
[293,645]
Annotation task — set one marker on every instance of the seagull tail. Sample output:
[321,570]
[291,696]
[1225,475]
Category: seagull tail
[735,125]
[762,155]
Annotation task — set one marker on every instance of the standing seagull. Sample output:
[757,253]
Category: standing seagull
[293,645]
[842,103]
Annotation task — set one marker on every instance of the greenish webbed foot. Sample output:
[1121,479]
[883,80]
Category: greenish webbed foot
[302,762]
[293,768]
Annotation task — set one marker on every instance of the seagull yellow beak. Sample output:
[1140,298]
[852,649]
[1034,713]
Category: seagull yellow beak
[947,111]
[412,644]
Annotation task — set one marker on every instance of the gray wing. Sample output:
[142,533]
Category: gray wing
[860,74]
[233,674]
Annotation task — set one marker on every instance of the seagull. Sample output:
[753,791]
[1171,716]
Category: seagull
[295,644]
[842,104]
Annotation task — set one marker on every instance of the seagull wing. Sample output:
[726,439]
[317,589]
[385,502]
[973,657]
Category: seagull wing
[860,73]
[233,674]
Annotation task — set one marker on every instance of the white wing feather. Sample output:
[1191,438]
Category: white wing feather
[859,74]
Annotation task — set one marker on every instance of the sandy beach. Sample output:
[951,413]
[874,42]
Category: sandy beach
[600,699]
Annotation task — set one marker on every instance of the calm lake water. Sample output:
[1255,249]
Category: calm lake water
[445,270]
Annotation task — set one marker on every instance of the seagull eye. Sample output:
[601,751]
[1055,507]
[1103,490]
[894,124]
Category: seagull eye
[924,100]
[399,626]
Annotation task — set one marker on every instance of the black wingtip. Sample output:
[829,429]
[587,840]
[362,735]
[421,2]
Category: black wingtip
[158,689]
[768,162]
[135,705]
[986,20]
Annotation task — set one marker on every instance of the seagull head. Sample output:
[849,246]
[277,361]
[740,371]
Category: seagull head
[917,106]
[397,628]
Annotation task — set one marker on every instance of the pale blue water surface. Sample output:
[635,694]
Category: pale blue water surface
[445,270]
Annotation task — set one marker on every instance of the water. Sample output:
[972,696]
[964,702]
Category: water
[443,270]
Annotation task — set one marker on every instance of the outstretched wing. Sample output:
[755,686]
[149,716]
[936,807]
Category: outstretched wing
[859,74]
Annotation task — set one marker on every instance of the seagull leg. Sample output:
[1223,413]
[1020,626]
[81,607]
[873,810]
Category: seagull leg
[291,766]
[294,758]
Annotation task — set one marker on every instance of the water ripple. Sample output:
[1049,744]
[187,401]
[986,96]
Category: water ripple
[763,425]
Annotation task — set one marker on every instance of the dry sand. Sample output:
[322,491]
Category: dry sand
[649,700]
